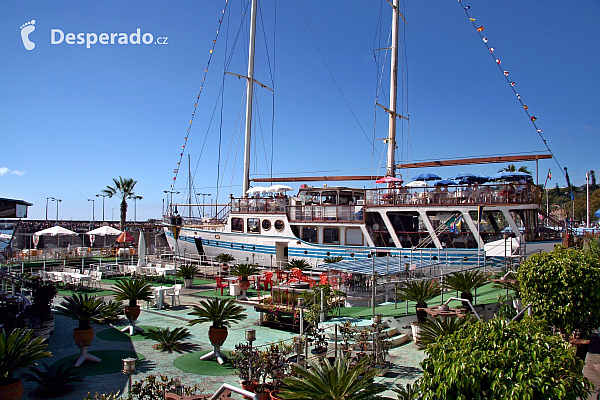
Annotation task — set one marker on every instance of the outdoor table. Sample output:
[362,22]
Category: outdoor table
[161,295]
[451,312]
[165,271]
[80,277]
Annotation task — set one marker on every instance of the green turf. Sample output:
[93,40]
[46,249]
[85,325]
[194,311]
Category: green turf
[111,362]
[485,295]
[192,364]
[83,290]
[211,293]
[115,334]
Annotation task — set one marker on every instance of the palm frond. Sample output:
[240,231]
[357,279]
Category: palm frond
[169,340]
[221,312]
[433,329]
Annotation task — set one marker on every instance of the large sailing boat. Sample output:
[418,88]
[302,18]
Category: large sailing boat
[465,223]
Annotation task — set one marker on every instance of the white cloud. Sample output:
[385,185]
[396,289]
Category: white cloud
[4,171]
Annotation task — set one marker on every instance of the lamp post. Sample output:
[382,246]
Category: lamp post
[135,199]
[48,198]
[93,211]
[129,369]
[103,197]
[587,184]
[169,203]
[57,201]
[203,201]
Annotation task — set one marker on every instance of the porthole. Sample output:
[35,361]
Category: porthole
[232,245]
[242,246]
[279,225]
[305,252]
[217,243]
[208,242]
[266,224]
[253,247]
[351,254]
[328,254]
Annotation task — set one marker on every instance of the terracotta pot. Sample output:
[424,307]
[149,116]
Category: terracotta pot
[225,267]
[188,282]
[83,337]
[132,313]
[244,285]
[12,391]
[273,395]
[249,386]
[581,347]
[264,396]
[217,336]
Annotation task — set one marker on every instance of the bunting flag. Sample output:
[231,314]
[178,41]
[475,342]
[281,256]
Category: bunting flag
[512,84]
[479,213]
[549,174]
[191,121]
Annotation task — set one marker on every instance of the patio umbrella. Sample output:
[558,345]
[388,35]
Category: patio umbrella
[480,178]
[462,176]
[508,175]
[416,184]
[427,177]
[444,182]
[277,188]
[257,189]
[141,251]
[388,179]
[597,213]
[105,231]
[125,237]
[56,231]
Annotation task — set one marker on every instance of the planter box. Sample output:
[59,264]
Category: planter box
[282,320]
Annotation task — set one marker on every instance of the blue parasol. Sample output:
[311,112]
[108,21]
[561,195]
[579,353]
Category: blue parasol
[462,176]
[508,175]
[427,177]
[444,182]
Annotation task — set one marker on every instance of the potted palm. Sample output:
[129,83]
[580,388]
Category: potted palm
[224,259]
[188,272]
[39,313]
[82,308]
[19,349]
[465,282]
[420,292]
[222,313]
[243,271]
[133,290]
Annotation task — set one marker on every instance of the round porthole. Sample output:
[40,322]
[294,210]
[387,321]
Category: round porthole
[208,242]
[266,224]
[351,254]
[305,252]
[242,246]
[279,225]
[328,254]
[232,245]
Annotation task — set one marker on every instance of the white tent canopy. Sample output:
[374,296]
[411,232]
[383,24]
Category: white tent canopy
[104,231]
[279,188]
[257,189]
[55,231]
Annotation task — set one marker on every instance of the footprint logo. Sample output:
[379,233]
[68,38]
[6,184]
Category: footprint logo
[26,29]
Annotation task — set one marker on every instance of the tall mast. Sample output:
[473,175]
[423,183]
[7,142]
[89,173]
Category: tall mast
[391,160]
[249,97]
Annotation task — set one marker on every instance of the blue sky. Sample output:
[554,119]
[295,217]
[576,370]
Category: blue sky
[72,118]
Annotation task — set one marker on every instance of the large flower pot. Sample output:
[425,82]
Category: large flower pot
[581,347]
[188,282]
[217,336]
[49,323]
[83,337]
[132,312]
[273,395]
[249,386]
[415,331]
[244,285]
[12,391]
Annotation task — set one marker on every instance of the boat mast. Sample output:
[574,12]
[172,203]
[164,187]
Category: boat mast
[391,161]
[249,97]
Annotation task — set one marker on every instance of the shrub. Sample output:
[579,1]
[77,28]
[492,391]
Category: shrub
[563,289]
[168,340]
[501,360]
[54,381]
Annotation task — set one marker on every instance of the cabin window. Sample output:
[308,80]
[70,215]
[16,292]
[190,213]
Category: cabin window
[354,237]
[331,235]
[309,234]
[279,225]
[266,224]
[253,225]
[237,224]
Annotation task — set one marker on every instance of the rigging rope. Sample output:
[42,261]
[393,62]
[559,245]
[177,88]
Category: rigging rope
[512,84]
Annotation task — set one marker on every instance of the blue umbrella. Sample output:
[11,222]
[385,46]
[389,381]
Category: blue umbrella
[444,182]
[427,177]
[508,175]
[480,178]
[597,213]
[462,176]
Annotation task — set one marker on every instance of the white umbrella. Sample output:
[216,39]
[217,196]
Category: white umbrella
[257,189]
[279,188]
[141,251]
[104,231]
[55,231]
[417,184]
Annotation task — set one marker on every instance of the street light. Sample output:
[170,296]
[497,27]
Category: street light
[93,210]
[103,197]
[171,192]
[203,201]
[48,198]
[135,199]
[57,201]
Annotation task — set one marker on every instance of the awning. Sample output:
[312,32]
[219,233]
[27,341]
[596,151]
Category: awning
[383,266]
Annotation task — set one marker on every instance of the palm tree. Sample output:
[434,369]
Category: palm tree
[435,328]
[340,381]
[465,282]
[123,189]
[420,292]
[513,168]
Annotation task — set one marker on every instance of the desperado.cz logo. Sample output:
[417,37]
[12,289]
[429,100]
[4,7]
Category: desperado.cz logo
[57,36]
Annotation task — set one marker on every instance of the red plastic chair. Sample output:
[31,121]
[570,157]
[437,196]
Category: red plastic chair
[323,278]
[267,280]
[220,284]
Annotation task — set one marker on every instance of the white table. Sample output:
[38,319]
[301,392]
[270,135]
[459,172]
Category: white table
[161,295]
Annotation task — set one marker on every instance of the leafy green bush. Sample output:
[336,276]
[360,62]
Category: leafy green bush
[563,287]
[501,360]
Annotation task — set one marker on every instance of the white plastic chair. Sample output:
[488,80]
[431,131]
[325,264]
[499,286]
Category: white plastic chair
[174,293]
